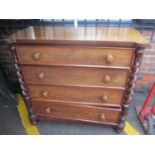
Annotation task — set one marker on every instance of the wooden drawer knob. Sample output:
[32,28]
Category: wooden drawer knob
[48,110]
[41,76]
[104,98]
[36,56]
[109,58]
[107,79]
[44,93]
[102,117]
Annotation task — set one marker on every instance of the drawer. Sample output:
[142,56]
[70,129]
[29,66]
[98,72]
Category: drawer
[83,95]
[77,112]
[75,76]
[48,55]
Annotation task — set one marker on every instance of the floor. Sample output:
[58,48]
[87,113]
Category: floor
[11,124]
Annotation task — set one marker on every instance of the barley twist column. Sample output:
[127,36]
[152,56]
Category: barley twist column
[23,86]
[130,89]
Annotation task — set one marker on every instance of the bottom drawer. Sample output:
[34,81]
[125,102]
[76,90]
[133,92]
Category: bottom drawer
[76,112]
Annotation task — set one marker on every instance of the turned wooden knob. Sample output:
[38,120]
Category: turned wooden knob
[104,98]
[41,76]
[36,56]
[44,93]
[109,58]
[107,79]
[48,110]
[102,117]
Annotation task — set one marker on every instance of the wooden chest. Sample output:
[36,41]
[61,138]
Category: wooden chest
[83,73]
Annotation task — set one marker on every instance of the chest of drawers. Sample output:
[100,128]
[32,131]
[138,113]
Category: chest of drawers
[84,74]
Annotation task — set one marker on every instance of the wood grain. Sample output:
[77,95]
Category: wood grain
[80,74]
[82,95]
[74,76]
[51,55]
[77,112]
[33,34]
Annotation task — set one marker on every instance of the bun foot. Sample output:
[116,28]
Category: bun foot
[120,128]
[33,120]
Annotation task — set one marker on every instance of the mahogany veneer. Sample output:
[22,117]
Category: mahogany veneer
[84,95]
[77,112]
[75,76]
[47,55]
[78,73]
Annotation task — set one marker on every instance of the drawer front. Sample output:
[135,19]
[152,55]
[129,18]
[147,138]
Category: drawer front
[85,95]
[77,112]
[75,76]
[74,56]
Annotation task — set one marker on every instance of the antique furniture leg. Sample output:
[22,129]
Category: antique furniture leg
[23,86]
[129,89]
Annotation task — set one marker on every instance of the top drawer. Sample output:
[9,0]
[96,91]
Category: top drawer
[72,56]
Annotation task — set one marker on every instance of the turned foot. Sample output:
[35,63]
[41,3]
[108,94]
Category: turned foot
[120,128]
[33,120]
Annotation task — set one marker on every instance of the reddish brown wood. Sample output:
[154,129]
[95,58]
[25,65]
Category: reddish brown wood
[74,55]
[81,43]
[129,89]
[74,76]
[83,95]
[32,116]
[98,36]
[84,66]
[76,112]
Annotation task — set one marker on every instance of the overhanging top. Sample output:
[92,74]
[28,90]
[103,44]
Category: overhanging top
[85,34]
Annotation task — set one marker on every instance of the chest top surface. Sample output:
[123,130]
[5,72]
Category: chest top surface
[77,34]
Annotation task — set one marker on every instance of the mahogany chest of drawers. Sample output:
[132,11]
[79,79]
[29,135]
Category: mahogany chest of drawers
[83,73]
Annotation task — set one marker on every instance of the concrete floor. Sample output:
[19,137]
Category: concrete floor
[10,123]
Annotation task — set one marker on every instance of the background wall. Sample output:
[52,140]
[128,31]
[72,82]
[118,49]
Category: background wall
[148,63]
